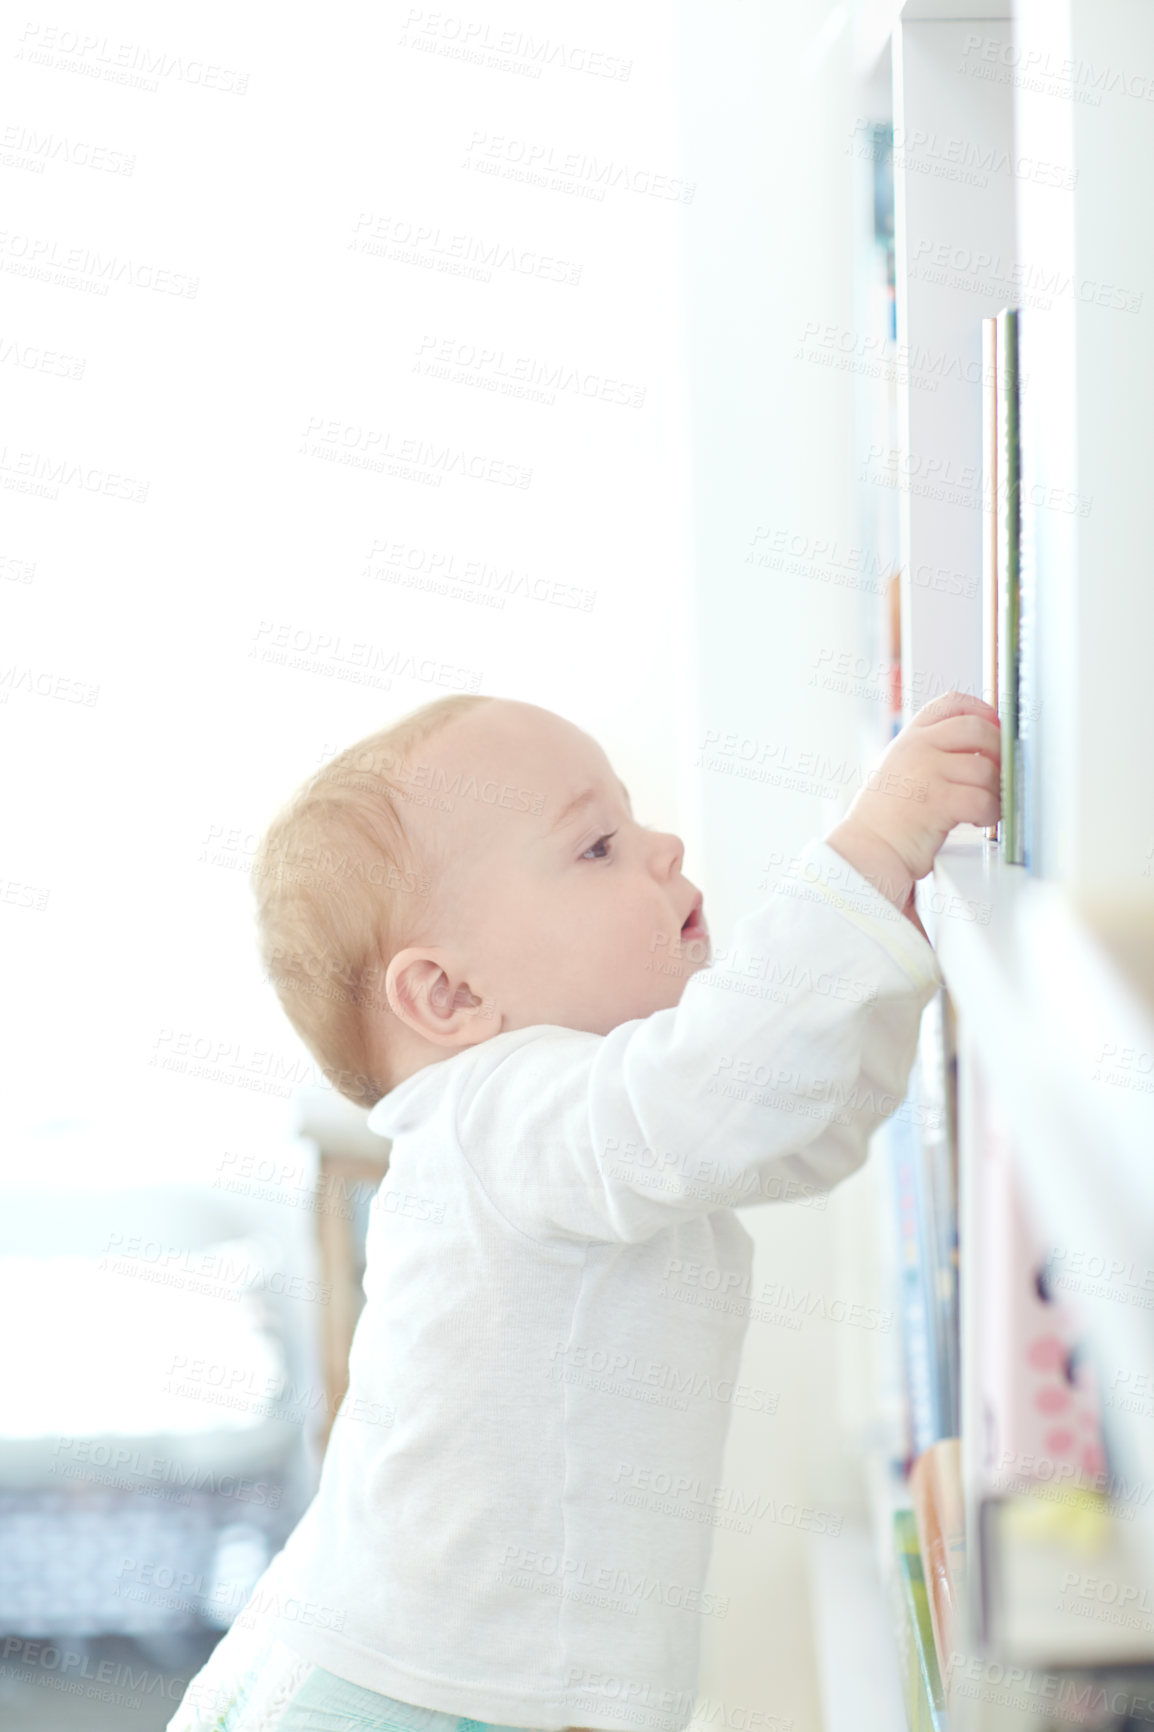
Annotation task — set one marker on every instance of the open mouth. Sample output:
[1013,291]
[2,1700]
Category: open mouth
[694,925]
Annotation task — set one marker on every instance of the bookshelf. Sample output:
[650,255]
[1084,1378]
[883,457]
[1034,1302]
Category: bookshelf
[1022,135]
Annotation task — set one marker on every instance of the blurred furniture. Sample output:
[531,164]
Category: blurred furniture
[351,1162]
[161,1384]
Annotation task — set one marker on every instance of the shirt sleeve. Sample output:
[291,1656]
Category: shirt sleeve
[764,1082]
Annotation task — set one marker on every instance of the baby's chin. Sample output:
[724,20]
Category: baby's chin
[680,960]
[666,977]
[658,985]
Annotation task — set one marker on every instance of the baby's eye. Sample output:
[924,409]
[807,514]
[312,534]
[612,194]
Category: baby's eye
[597,844]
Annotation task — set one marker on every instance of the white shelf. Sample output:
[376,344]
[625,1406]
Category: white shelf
[856,1645]
[1040,994]
[1001,184]
[1063,1017]
[876,20]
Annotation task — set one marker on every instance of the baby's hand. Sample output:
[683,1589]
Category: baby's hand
[944,768]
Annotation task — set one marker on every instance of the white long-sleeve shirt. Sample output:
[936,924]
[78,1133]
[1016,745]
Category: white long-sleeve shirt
[557,1289]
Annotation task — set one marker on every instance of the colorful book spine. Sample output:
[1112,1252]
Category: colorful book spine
[894,629]
[922,1149]
[924,1695]
[1029,695]
[1042,1509]
[939,1509]
[919,1356]
[990,520]
[938,1199]
[1039,1416]
[1009,530]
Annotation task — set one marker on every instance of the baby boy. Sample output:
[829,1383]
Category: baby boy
[479,941]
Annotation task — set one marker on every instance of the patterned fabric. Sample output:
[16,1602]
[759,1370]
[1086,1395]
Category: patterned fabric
[252,1683]
[244,1686]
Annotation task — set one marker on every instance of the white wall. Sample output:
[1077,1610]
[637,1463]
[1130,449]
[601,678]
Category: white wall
[770,118]
[133,817]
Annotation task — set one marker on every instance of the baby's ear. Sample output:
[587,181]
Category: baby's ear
[443,996]
[422,992]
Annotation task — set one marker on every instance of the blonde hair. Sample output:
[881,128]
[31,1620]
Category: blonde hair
[339,892]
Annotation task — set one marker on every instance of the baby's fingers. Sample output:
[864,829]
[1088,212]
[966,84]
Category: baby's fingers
[970,733]
[975,806]
[953,704]
[967,769]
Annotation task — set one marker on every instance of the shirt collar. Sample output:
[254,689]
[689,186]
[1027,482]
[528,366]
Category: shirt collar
[412,1101]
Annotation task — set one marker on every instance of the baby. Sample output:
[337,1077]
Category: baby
[478,940]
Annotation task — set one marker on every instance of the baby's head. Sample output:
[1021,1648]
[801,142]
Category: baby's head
[472,869]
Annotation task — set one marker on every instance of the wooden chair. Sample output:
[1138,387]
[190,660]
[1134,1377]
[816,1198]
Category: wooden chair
[351,1160]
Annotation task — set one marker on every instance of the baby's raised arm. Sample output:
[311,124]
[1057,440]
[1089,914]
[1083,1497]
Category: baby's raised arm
[769,1076]
[944,768]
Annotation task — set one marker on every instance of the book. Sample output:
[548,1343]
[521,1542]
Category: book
[921,1141]
[1029,695]
[922,1680]
[1009,546]
[924,1420]
[939,1509]
[938,1198]
[894,633]
[990,520]
[1048,1533]
[1041,1408]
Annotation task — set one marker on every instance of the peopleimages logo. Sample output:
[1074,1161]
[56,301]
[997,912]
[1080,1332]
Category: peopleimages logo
[438,780]
[632,1374]
[685,1280]
[126,1465]
[671,1492]
[564,1573]
[79,1674]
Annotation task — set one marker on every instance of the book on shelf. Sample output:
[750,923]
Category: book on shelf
[1008,499]
[924,1176]
[923,1417]
[1009,584]
[990,520]
[937,1092]
[922,1687]
[1048,1532]
[1029,694]
[1047,1527]
[894,639]
[1093,1694]
[935,1486]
